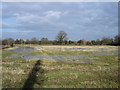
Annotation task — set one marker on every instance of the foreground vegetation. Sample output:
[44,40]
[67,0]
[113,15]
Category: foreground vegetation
[49,73]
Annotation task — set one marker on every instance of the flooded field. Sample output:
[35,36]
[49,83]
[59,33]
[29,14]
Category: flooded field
[62,66]
[23,49]
[58,57]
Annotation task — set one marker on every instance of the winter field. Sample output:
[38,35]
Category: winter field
[60,67]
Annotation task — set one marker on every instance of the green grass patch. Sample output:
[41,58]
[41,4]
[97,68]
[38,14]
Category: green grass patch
[59,52]
[101,73]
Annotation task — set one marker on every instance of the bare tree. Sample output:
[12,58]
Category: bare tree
[106,41]
[8,41]
[34,41]
[44,41]
[117,40]
[0,41]
[61,37]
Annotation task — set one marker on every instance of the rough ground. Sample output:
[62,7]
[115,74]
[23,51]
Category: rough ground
[49,73]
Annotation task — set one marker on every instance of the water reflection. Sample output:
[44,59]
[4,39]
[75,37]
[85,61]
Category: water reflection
[23,49]
[27,57]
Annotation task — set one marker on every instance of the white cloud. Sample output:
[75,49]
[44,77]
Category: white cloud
[53,14]
[50,17]
[36,21]
[26,18]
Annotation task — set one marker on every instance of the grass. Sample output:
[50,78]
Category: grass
[101,73]
[81,75]
[59,52]
[6,53]
[15,72]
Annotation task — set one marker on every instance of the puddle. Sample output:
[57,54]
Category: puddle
[15,55]
[61,58]
[93,49]
[23,49]
[76,48]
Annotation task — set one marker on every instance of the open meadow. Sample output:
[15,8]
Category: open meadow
[59,44]
[60,67]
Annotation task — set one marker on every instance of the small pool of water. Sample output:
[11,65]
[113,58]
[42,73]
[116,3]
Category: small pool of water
[28,57]
[60,58]
[23,49]
[93,49]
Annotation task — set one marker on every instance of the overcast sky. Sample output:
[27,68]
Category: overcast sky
[80,20]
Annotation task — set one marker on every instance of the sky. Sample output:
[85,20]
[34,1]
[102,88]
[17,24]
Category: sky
[80,20]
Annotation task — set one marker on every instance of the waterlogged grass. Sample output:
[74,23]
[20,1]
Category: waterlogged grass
[16,71]
[83,75]
[109,59]
[6,53]
[59,52]
[102,72]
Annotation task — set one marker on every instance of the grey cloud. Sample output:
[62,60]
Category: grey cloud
[81,17]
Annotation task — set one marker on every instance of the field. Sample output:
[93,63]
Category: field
[61,67]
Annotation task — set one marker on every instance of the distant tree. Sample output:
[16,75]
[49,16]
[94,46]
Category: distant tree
[93,42]
[61,37]
[17,41]
[21,41]
[65,42]
[55,42]
[106,41]
[0,41]
[80,42]
[98,42]
[4,42]
[34,41]
[70,42]
[88,43]
[44,41]
[117,40]
[8,41]
[27,41]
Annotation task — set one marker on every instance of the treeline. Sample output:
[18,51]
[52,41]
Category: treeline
[61,39]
